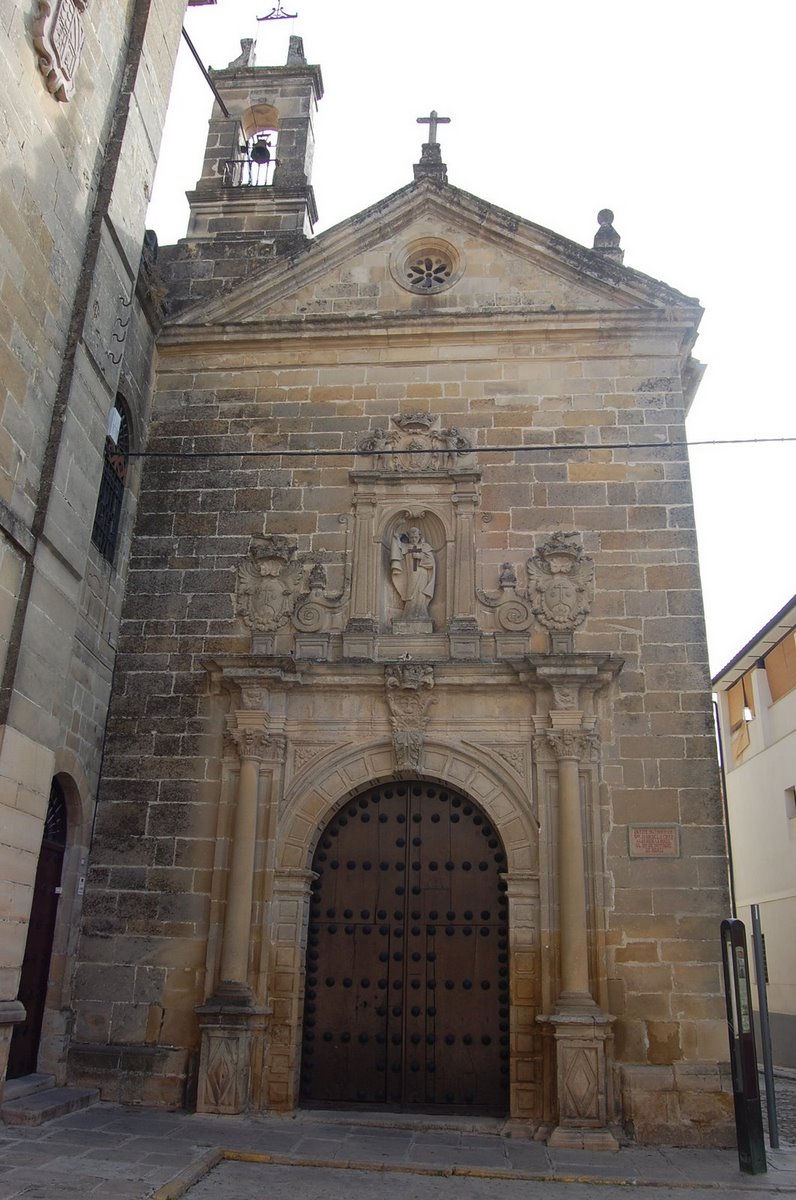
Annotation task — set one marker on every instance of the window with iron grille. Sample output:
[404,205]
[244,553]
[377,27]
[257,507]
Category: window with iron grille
[111,493]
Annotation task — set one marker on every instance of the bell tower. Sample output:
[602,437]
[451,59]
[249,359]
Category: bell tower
[255,181]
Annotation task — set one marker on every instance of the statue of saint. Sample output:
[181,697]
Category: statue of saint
[413,572]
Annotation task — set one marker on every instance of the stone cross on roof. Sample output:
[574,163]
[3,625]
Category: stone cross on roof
[432,120]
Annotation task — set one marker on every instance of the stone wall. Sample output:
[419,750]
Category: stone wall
[77,170]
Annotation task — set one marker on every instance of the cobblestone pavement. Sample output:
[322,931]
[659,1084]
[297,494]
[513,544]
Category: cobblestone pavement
[113,1153]
[785,1091]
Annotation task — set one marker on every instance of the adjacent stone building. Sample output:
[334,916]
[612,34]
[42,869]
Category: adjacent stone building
[84,92]
[409,794]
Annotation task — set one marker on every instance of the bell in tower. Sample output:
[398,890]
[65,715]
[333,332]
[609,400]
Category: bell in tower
[255,178]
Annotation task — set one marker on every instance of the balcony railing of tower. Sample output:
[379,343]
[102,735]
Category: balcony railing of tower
[247,172]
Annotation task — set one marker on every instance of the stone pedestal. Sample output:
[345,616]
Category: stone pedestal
[12,1013]
[232,1044]
[582,1081]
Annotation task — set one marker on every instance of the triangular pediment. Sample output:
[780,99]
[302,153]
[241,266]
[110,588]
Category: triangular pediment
[496,262]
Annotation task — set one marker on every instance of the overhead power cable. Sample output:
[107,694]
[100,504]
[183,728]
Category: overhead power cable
[355,452]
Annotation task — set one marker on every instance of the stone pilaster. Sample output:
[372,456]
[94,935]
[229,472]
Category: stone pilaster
[232,1023]
[581,1030]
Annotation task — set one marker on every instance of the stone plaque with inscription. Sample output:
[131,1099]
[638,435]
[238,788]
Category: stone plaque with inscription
[653,841]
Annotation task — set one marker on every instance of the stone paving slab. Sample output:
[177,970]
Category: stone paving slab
[246,1181]
[113,1153]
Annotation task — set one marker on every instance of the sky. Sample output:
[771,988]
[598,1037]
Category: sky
[680,117]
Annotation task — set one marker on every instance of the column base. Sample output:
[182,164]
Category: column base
[582,1076]
[563,1138]
[232,1038]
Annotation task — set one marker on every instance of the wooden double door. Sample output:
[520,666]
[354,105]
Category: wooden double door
[407,1000]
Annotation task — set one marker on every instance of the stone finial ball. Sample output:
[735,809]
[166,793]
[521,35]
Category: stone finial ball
[605,217]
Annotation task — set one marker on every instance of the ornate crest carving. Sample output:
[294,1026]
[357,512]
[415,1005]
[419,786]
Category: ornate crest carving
[58,38]
[560,577]
[269,582]
[416,442]
[408,689]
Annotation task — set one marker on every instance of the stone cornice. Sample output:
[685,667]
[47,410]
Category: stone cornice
[398,328]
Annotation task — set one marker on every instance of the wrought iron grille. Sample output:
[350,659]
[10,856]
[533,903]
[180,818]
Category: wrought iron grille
[246,172]
[111,493]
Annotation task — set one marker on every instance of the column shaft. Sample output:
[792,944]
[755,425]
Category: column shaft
[572,883]
[237,922]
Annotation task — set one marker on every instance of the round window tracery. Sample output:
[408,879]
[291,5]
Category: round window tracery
[427,265]
[429,272]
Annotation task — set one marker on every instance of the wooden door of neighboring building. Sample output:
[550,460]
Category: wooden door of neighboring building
[24,1049]
[406,1001]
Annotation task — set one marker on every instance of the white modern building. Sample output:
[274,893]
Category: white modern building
[757,720]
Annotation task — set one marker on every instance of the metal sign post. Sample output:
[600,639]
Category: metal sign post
[738,997]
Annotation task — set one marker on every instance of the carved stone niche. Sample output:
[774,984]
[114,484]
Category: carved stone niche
[413,544]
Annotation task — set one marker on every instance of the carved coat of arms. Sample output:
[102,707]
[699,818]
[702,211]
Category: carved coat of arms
[416,442]
[559,583]
[269,582]
[58,38]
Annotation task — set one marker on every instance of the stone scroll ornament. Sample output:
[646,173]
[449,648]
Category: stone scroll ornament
[512,611]
[58,37]
[416,442]
[560,582]
[269,583]
[408,688]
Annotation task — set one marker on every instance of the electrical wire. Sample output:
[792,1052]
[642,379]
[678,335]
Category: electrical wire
[284,452]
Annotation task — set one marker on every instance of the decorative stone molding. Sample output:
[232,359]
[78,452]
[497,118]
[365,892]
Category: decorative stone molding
[560,579]
[58,38]
[417,443]
[314,613]
[513,612]
[268,584]
[408,691]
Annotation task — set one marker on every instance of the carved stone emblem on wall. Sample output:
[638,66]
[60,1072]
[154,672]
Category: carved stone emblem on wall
[560,581]
[269,582]
[416,442]
[58,38]
[408,689]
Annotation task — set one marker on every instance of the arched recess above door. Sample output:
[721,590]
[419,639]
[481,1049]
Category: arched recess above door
[317,791]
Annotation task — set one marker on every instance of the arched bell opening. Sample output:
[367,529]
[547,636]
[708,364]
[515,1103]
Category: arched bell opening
[256,160]
[407,971]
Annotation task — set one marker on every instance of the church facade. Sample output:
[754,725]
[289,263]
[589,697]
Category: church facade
[410,794]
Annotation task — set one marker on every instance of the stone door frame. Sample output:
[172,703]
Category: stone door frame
[312,799]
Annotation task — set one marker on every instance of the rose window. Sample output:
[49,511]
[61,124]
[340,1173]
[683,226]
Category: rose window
[429,272]
[427,265]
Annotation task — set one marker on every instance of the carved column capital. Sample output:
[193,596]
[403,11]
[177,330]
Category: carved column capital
[250,740]
[572,744]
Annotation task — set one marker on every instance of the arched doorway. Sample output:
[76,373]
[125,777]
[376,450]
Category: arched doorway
[406,1001]
[24,1049]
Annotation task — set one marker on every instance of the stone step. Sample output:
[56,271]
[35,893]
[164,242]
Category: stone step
[43,1106]
[26,1085]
